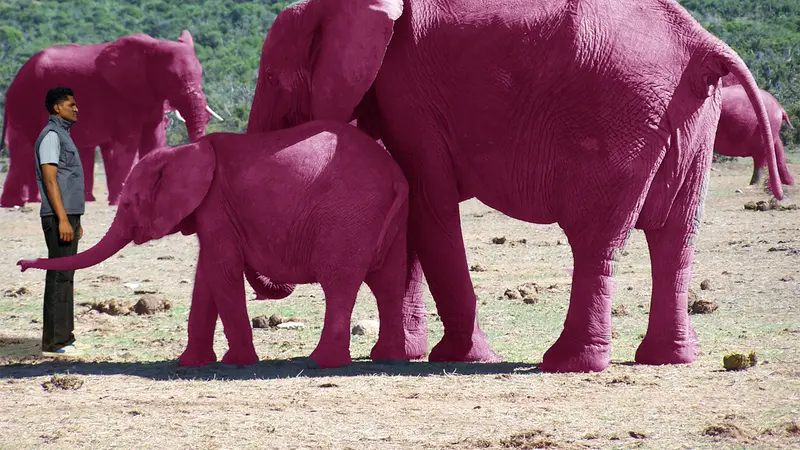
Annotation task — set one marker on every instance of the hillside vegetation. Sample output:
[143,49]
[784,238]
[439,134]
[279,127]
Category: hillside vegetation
[228,37]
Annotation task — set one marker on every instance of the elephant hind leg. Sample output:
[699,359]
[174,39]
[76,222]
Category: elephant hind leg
[585,341]
[87,161]
[333,349]
[118,160]
[403,334]
[670,338]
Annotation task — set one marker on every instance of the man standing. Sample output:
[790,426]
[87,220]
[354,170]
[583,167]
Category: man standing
[59,175]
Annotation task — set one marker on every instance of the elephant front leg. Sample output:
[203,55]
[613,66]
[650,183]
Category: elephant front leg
[202,322]
[221,267]
[585,341]
[118,159]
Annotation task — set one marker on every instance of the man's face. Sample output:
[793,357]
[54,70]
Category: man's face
[67,109]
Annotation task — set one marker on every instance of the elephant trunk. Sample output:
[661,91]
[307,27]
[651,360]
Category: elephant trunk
[265,288]
[115,240]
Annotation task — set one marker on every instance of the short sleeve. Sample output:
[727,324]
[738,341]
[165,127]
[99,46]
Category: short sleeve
[49,149]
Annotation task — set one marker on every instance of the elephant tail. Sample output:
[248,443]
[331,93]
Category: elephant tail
[738,68]
[398,213]
[784,116]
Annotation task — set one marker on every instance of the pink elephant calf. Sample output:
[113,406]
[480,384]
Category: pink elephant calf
[321,202]
[738,133]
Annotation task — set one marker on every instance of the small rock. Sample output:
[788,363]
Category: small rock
[150,304]
[144,291]
[291,325]
[530,300]
[738,191]
[108,278]
[739,361]
[763,206]
[499,240]
[614,334]
[260,322]
[477,268]
[166,258]
[705,285]
[131,285]
[366,327]
[185,281]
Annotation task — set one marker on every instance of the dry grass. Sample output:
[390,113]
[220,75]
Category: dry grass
[133,394]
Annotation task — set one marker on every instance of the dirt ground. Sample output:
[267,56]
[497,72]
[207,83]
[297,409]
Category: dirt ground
[128,391]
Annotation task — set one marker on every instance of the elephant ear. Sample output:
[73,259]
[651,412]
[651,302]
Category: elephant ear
[123,65]
[169,185]
[186,38]
[348,48]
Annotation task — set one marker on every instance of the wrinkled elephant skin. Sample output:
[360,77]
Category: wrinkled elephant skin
[597,115]
[738,132]
[321,202]
[122,89]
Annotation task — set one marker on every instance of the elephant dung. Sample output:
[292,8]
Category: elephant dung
[739,361]
[366,327]
[701,306]
[477,268]
[16,292]
[261,322]
[150,304]
[113,307]
[619,310]
[705,285]
[65,382]
[525,290]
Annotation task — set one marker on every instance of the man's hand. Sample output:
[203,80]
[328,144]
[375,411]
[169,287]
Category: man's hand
[65,231]
[80,232]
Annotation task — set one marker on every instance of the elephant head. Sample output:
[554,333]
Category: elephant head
[159,197]
[149,72]
[331,49]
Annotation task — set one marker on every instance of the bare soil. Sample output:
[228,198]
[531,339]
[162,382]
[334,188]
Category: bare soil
[127,390]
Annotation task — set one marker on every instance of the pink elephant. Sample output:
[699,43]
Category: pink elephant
[321,202]
[738,133]
[122,89]
[596,115]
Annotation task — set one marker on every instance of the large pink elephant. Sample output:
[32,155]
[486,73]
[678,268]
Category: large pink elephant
[738,132]
[321,202]
[122,89]
[597,115]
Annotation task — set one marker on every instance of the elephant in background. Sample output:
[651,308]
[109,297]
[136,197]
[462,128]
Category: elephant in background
[321,202]
[738,131]
[123,89]
[596,115]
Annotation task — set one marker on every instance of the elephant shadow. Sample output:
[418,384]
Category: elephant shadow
[263,370]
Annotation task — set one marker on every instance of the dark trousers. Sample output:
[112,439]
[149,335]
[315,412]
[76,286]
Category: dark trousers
[59,318]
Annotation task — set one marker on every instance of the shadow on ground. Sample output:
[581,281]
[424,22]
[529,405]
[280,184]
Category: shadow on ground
[271,369]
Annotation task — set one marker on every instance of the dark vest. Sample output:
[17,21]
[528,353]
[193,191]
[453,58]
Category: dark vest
[70,171]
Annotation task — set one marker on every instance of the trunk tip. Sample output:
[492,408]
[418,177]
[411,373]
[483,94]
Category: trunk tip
[26,264]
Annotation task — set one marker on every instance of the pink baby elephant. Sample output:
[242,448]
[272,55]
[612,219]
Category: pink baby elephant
[321,202]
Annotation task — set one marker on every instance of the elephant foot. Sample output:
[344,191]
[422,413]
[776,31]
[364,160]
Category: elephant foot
[113,201]
[572,355]
[414,348]
[88,196]
[464,348]
[10,201]
[658,351]
[240,358]
[327,359]
[191,358]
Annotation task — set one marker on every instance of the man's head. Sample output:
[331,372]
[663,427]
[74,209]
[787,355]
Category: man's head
[60,102]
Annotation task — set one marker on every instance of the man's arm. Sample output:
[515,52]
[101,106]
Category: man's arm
[49,151]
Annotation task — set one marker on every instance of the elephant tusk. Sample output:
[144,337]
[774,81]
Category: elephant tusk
[179,116]
[208,108]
